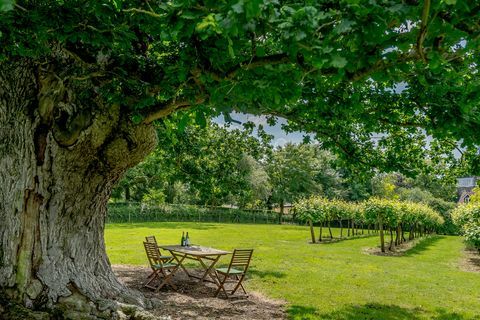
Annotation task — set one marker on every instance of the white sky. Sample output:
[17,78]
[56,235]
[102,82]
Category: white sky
[280,136]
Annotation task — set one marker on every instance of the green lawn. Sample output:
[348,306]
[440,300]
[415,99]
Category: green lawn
[328,281]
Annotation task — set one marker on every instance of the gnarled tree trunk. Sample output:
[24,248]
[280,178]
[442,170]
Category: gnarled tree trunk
[60,156]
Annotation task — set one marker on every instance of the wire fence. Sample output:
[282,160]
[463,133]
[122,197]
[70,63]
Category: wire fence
[141,212]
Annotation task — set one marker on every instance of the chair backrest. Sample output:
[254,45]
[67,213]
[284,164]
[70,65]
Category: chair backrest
[152,253]
[151,239]
[241,259]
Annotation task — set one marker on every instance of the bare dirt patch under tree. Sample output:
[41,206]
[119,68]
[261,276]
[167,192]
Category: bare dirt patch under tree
[402,249]
[194,300]
[470,261]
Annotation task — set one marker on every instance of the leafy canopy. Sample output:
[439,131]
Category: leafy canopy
[342,69]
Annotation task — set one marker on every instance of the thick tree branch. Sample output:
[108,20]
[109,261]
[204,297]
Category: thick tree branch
[85,77]
[380,65]
[423,29]
[150,13]
[255,62]
[158,112]
[281,58]
[404,124]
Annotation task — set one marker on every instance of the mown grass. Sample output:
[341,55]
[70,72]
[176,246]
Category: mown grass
[328,281]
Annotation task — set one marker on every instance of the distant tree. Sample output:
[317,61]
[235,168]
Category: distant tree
[356,185]
[299,170]
[212,164]
[151,176]
[259,187]
[384,186]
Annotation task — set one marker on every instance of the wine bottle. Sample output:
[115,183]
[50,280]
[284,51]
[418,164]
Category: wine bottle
[182,242]
[187,240]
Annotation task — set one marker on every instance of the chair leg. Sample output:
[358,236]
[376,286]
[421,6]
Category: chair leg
[150,279]
[239,284]
[162,283]
[170,277]
[172,274]
[221,286]
[243,288]
[167,279]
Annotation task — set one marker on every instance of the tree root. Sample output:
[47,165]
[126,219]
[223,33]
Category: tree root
[77,307]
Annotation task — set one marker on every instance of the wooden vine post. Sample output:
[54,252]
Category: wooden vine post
[382,239]
[312,232]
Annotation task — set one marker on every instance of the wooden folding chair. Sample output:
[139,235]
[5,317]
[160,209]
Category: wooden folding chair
[235,273]
[161,270]
[152,239]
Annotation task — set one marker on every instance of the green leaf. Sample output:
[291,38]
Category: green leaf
[200,119]
[260,52]
[238,7]
[182,124]
[253,8]
[338,61]
[189,15]
[208,21]
[450,2]
[300,35]
[344,26]
[7,5]
[230,48]
[136,118]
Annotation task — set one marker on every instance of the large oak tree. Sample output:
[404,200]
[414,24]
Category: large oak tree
[82,84]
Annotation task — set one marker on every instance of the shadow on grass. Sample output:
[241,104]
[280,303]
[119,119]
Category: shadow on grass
[264,273]
[369,312]
[423,245]
[167,225]
[328,240]
[407,249]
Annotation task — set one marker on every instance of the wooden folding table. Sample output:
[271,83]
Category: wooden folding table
[207,257]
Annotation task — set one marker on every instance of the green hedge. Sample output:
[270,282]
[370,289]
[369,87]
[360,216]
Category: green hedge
[467,217]
[137,212]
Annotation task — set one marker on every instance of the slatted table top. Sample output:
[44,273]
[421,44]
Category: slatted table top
[195,250]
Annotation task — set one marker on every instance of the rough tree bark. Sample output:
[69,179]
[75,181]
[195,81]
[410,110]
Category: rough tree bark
[59,159]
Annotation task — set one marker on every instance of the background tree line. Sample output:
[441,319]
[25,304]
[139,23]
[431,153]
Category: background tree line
[216,165]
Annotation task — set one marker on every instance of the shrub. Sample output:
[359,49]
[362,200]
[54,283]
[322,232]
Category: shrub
[467,217]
